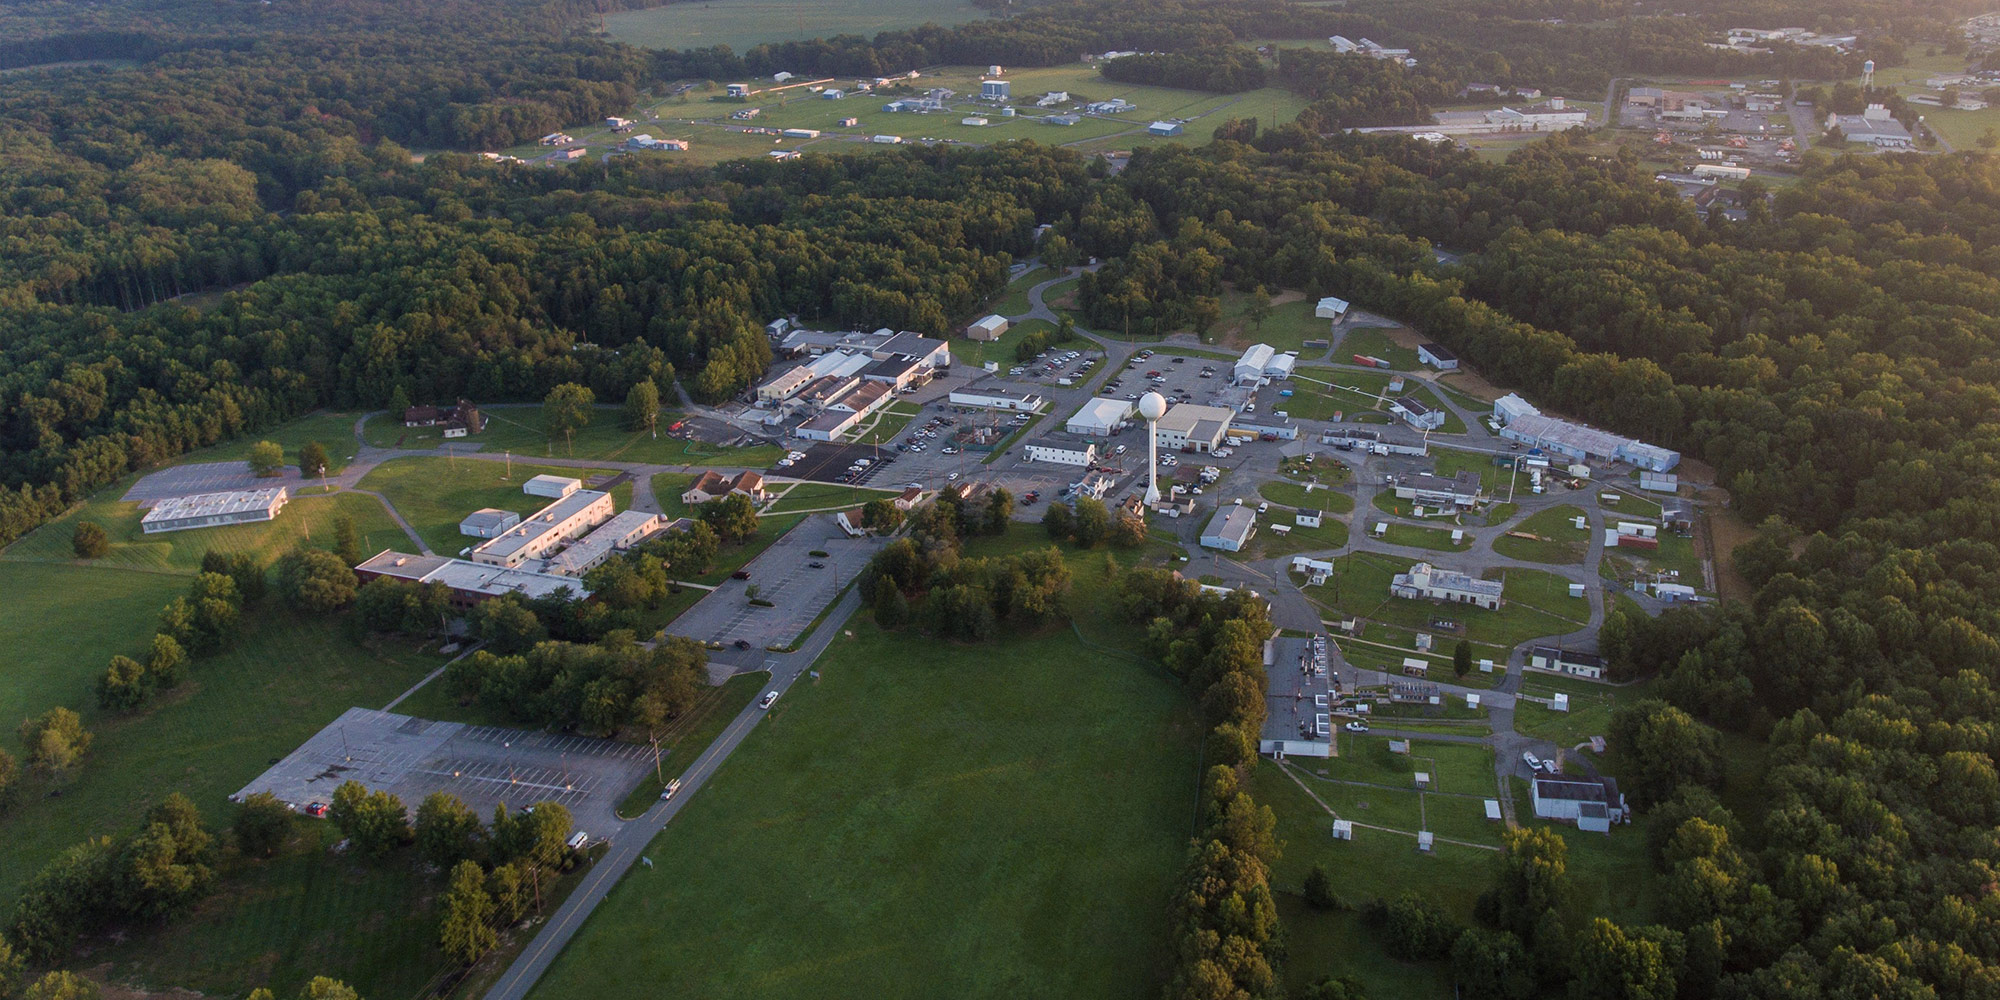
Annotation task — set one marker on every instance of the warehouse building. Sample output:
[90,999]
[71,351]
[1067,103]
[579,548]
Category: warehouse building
[1461,490]
[488,522]
[1417,413]
[1100,417]
[1190,427]
[624,530]
[1062,452]
[1230,529]
[208,510]
[1425,582]
[1565,661]
[997,399]
[546,530]
[1521,421]
[1250,367]
[1437,357]
[470,583]
[987,328]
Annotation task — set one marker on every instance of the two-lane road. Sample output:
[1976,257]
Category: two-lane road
[632,841]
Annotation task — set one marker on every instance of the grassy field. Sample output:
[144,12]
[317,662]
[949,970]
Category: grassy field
[966,351]
[896,833]
[1562,542]
[1290,324]
[1322,392]
[435,494]
[1423,538]
[519,430]
[288,676]
[1376,343]
[1296,495]
[1450,462]
[1536,603]
[304,519]
[1331,534]
[334,432]
[689,735]
[813,496]
[741,24]
[1015,301]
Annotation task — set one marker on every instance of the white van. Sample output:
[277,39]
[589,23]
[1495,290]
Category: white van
[578,839]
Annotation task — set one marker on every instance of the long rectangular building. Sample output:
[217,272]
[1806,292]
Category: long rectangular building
[624,530]
[207,510]
[546,530]
[469,582]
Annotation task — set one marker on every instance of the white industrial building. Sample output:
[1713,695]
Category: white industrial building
[1100,417]
[1417,413]
[1593,804]
[624,530]
[1230,529]
[833,364]
[846,410]
[469,582]
[1189,426]
[1425,582]
[1522,422]
[1250,367]
[1437,357]
[1659,482]
[1062,452]
[1874,126]
[553,487]
[1331,308]
[1460,490]
[488,522]
[997,399]
[207,510]
[546,530]
[1564,661]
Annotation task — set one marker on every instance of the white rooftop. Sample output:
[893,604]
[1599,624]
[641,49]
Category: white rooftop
[540,523]
[213,504]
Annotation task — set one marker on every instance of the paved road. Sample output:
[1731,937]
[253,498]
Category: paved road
[633,840]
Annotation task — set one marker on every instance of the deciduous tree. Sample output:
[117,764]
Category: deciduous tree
[267,458]
[566,410]
[262,825]
[89,540]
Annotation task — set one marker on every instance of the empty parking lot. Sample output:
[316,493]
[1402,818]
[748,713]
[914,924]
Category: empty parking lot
[483,765]
[783,575]
[205,477]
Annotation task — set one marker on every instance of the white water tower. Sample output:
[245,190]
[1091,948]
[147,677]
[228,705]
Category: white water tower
[1152,406]
[1868,74]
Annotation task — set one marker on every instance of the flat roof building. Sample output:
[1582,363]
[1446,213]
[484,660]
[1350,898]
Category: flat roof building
[469,582]
[1460,490]
[1580,442]
[555,487]
[624,530]
[1250,367]
[1418,413]
[987,328]
[1057,452]
[1426,582]
[1593,804]
[545,530]
[997,399]
[1567,661]
[1437,357]
[1191,426]
[208,510]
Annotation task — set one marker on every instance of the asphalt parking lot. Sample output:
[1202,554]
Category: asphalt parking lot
[826,463]
[205,477]
[484,766]
[783,575]
[1087,364]
[1183,381]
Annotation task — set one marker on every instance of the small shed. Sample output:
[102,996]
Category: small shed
[1416,667]
[1485,666]
[987,328]
[1493,809]
[555,487]
[1471,699]
[1560,704]
[1576,590]
[1399,746]
[1424,841]
[1423,779]
[1343,829]
[1165,128]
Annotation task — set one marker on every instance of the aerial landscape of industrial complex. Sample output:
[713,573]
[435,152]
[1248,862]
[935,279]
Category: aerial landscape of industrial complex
[1213,499]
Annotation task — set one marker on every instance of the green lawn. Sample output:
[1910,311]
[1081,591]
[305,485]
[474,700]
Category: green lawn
[1535,603]
[1287,328]
[686,737]
[519,430]
[435,494]
[1562,542]
[886,424]
[966,351]
[1375,343]
[1450,462]
[304,518]
[1331,534]
[1423,537]
[1295,495]
[288,676]
[813,496]
[894,831]
[334,432]
[1015,301]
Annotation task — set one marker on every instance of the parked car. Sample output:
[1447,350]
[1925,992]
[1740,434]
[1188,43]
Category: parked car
[672,787]
[1534,763]
[316,810]
[1120,450]
[816,565]
[742,644]
[952,478]
[769,697]
[1356,727]
[578,839]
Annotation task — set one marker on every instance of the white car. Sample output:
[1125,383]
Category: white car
[672,787]
[951,478]
[769,697]
[1356,727]
[1264,508]
[1534,763]
[1120,450]
[784,463]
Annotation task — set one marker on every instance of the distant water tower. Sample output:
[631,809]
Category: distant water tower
[1868,73]
[1152,406]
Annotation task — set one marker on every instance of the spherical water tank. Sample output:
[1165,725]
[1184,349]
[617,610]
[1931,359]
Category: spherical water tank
[1152,406]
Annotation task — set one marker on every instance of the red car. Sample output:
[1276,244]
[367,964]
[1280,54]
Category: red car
[316,810]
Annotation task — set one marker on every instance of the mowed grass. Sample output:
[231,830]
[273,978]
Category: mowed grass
[1375,342]
[925,820]
[741,24]
[307,519]
[287,676]
[1534,603]
[519,430]
[1298,497]
[334,432]
[817,496]
[435,494]
[1561,542]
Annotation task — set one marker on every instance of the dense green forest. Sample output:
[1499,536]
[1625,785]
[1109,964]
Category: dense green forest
[1832,357]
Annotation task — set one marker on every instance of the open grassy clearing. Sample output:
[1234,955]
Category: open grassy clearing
[1590,707]
[519,430]
[1449,462]
[741,24]
[1422,537]
[304,519]
[1321,392]
[1288,326]
[1562,542]
[334,432]
[1269,544]
[812,496]
[1375,342]
[686,737]
[287,676]
[1015,301]
[435,494]
[884,425]
[934,843]
[1297,496]
[966,351]
[1535,603]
